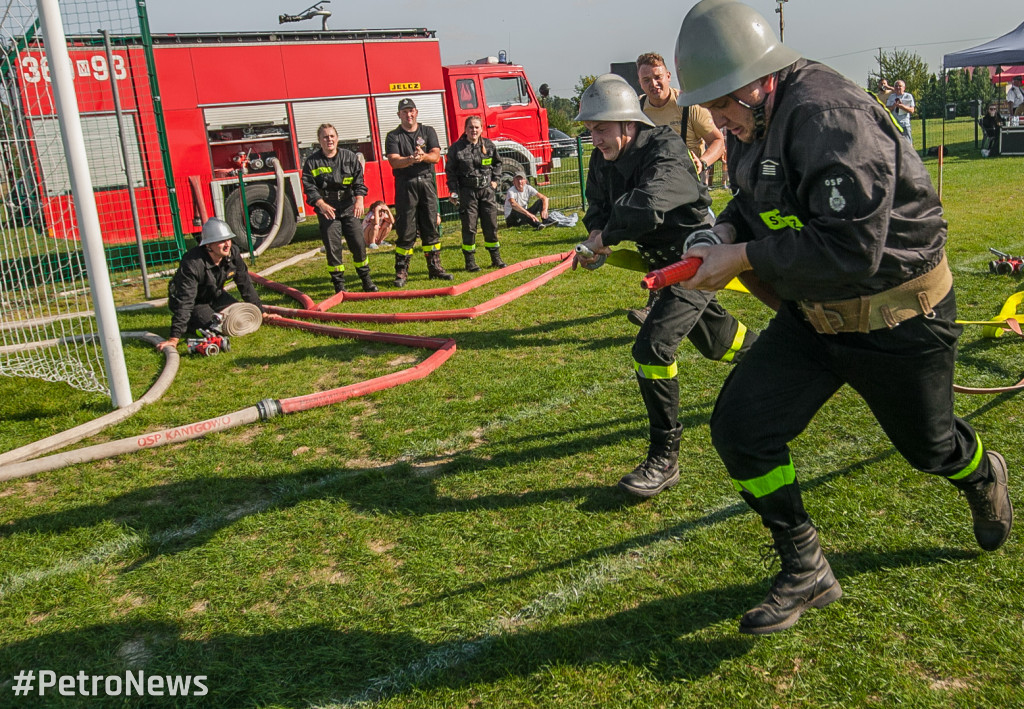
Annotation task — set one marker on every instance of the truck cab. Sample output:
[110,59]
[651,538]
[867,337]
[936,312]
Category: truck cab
[512,116]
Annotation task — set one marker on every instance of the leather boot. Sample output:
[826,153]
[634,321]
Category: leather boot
[805,581]
[364,275]
[990,504]
[470,257]
[638,316]
[660,470]
[338,281]
[434,267]
[401,270]
[495,252]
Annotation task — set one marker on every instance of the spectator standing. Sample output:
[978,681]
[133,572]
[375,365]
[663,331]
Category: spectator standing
[1015,96]
[412,150]
[473,169]
[901,104]
[332,178]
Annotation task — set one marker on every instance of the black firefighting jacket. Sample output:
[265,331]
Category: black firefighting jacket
[470,166]
[338,180]
[649,195]
[199,281]
[834,200]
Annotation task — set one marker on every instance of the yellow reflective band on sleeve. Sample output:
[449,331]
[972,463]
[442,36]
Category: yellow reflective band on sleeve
[469,247]
[431,247]
[491,244]
[737,342]
[769,482]
[654,371]
[336,269]
[402,252]
[360,264]
[975,461]
[325,170]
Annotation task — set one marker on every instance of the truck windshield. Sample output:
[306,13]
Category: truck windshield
[502,91]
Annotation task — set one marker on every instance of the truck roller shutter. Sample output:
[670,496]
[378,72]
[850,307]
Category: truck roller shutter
[349,116]
[431,113]
[233,116]
[102,148]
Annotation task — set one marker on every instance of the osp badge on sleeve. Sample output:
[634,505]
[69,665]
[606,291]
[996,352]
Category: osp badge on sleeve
[839,193]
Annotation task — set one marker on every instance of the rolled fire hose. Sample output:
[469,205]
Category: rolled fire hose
[241,319]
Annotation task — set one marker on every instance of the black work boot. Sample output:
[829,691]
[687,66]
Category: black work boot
[990,505]
[401,270]
[638,316]
[434,267]
[805,581]
[660,470]
[495,252]
[470,257]
[364,275]
[338,281]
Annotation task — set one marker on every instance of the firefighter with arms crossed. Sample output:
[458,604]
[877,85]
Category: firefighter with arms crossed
[332,179]
[642,187]
[473,169]
[836,217]
[412,151]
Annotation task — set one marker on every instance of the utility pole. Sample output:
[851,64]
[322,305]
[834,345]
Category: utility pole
[782,20]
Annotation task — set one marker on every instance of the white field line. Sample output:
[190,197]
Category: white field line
[586,580]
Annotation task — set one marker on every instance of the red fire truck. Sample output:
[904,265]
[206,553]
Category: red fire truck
[233,104]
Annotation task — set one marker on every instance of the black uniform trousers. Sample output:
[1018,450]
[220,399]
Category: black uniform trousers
[203,313]
[331,231]
[904,374]
[416,210]
[478,203]
[679,313]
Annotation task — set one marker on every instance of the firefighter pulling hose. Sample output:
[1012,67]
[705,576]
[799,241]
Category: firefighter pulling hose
[642,187]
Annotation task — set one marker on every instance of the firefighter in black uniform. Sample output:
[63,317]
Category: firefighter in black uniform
[196,293]
[412,151]
[474,169]
[642,187]
[332,178]
[836,217]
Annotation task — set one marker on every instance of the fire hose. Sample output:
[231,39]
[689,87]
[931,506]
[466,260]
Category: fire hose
[17,466]
[278,211]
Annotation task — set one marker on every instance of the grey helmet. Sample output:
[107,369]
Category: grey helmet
[611,98]
[216,230]
[724,45]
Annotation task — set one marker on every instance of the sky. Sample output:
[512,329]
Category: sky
[560,40]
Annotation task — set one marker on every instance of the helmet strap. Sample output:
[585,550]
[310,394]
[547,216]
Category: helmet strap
[760,111]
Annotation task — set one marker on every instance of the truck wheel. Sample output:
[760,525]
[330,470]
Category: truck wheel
[509,168]
[262,203]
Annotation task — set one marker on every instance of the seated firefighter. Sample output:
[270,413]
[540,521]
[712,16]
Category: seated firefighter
[196,293]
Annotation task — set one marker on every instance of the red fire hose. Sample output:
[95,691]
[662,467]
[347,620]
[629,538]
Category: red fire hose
[681,271]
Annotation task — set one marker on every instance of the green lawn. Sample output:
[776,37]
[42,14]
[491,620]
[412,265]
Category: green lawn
[458,542]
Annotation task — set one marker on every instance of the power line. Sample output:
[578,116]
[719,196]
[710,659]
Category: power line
[922,44]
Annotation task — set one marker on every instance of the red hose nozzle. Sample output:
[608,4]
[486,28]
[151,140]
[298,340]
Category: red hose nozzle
[682,271]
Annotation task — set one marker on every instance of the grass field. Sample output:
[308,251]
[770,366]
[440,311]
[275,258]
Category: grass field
[458,542]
